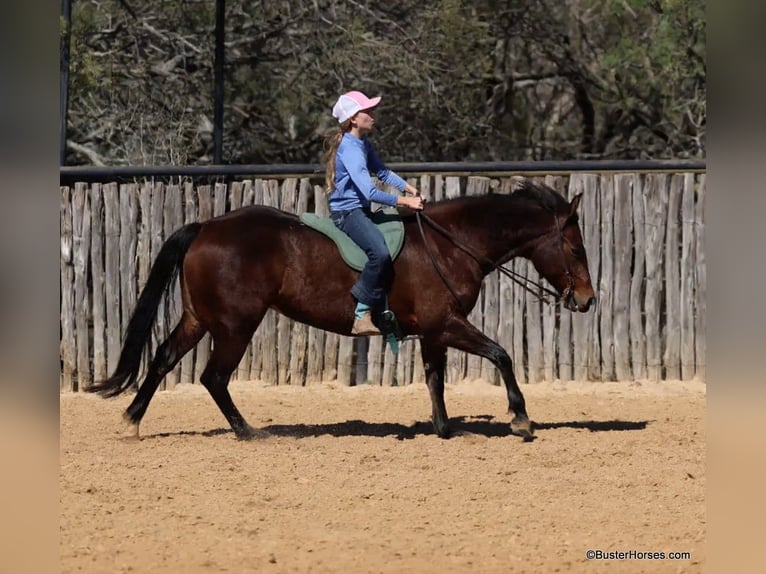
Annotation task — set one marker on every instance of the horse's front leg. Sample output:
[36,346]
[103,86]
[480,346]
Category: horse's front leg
[434,361]
[462,335]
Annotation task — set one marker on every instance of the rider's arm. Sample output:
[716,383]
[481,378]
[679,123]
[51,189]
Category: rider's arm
[353,159]
[384,174]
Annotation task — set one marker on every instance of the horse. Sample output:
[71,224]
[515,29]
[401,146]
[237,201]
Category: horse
[235,267]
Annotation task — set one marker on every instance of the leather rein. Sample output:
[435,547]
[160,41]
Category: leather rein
[512,275]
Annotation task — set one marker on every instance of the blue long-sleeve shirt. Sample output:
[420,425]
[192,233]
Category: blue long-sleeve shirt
[354,161]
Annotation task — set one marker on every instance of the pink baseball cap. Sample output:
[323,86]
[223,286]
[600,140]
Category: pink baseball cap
[350,103]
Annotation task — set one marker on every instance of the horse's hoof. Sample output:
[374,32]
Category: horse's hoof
[131,428]
[522,427]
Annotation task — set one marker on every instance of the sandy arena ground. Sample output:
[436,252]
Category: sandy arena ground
[353,480]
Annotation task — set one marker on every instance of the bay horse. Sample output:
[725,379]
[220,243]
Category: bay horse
[236,266]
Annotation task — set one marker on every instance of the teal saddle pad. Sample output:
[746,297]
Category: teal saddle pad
[389,223]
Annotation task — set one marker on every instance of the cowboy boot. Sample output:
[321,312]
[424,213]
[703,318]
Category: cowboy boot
[364,325]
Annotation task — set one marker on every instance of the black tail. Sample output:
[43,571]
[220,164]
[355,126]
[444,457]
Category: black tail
[164,270]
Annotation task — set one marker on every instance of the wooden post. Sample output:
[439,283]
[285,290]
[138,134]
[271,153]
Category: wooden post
[700,294]
[298,351]
[112,265]
[345,360]
[67,345]
[437,187]
[418,370]
[127,246]
[403,363]
[672,354]
[637,337]
[687,278]
[656,215]
[81,249]
[375,360]
[409,361]
[389,367]
[248,193]
[220,191]
[425,187]
[605,303]
[235,195]
[623,255]
[97,279]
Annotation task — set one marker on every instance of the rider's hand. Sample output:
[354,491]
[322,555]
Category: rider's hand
[415,202]
[412,190]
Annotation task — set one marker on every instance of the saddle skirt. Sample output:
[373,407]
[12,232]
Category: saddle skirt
[388,221]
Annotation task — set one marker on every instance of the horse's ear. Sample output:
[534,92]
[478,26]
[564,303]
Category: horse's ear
[574,204]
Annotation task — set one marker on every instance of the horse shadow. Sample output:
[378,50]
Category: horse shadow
[481,425]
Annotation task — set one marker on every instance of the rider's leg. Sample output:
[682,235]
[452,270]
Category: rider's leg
[370,288]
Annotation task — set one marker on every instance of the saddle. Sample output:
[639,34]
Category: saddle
[390,224]
[388,221]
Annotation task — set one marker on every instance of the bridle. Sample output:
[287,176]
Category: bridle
[568,292]
[517,278]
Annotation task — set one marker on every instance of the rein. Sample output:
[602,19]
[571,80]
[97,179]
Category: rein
[512,275]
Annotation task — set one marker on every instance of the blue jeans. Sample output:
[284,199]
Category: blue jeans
[373,283]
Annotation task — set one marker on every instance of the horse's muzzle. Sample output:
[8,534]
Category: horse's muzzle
[571,303]
[585,308]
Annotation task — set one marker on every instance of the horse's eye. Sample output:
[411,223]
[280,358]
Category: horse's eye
[578,252]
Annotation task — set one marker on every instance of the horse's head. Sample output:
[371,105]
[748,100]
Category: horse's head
[560,257]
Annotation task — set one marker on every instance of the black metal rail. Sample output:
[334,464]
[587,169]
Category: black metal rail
[72,174]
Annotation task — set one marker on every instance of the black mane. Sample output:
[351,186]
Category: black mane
[542,195]
[530,192]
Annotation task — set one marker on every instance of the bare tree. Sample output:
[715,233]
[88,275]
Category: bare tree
[491,79]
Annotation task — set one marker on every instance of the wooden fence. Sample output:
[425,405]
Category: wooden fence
[644,234]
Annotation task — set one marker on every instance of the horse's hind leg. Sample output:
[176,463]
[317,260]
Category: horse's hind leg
[227,352]
[462,335]
[187,333]
[434,360]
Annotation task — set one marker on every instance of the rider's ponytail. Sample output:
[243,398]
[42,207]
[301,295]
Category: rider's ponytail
[331,143]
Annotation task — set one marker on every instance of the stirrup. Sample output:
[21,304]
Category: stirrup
[389,324]
[392,333]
